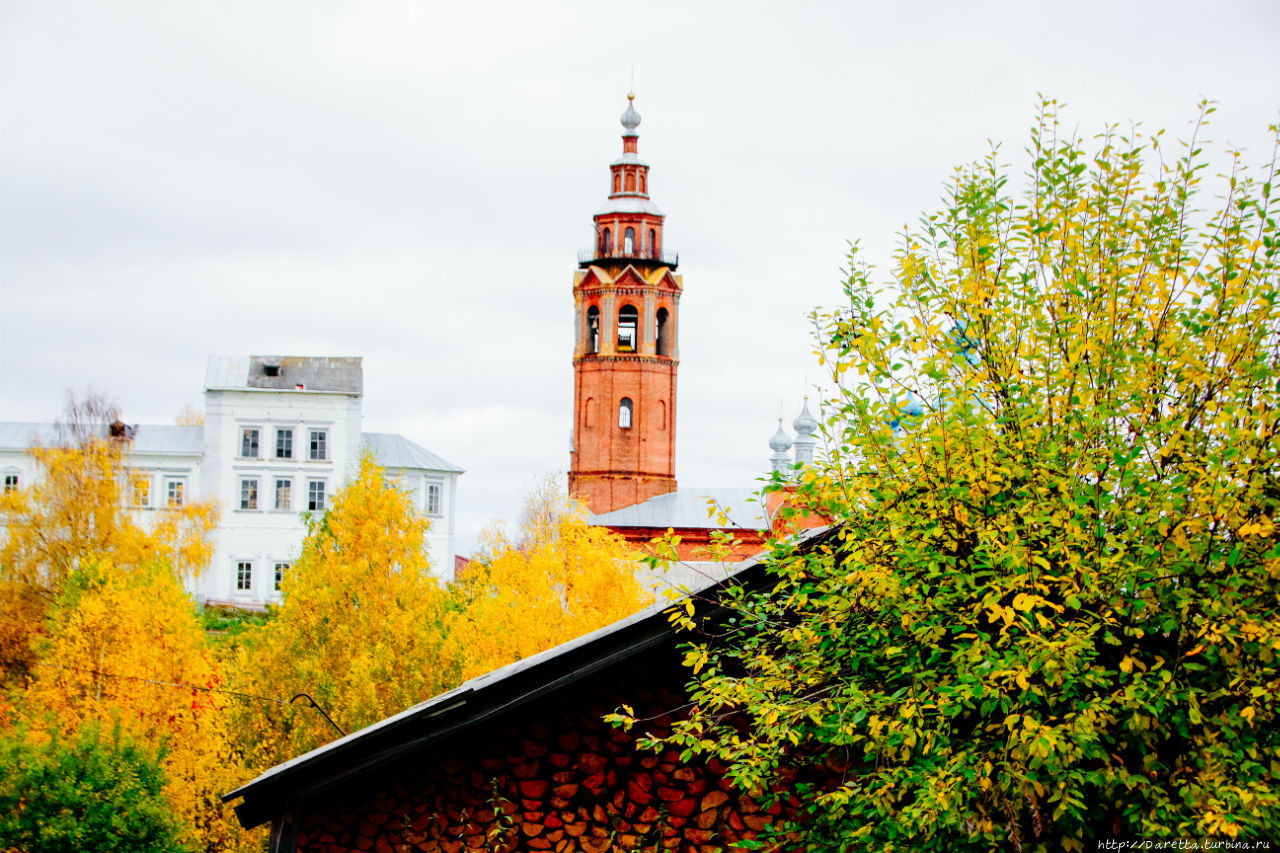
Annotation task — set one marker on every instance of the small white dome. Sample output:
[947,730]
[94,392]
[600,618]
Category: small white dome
[630,119]
[781,442]
[805,424]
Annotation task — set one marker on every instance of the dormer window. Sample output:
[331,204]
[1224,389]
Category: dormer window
[627,324]
[624,413]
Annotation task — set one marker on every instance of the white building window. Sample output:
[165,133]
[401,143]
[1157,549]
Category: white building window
[244,576]
[249,442]
[315,495]
[284,444]
[249,494]
[280,569]
[319,449]
[141,490]
[175,493]
[433,498]
[284,494]
[11,483]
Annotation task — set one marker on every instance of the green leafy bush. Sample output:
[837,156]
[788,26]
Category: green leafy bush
[96,792]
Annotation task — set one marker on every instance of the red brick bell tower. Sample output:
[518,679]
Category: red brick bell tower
[626,307]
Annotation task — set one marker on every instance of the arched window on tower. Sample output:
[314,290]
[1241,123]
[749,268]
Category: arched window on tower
[593,330]
[664,332]
[631,182]
[627,323]
[606,243]
[629,242]
[653,243]
[642,182]
[624,413]
[617,182]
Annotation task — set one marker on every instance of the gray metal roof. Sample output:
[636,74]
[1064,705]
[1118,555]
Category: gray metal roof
[396,451]
[691,508]
[169,439]
[628,204]
[629,158]
[166,439]
[19,435]
[322,375]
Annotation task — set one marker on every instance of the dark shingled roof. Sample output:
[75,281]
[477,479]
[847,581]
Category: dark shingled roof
[448,715]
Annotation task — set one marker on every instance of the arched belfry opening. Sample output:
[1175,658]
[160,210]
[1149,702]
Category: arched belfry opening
[628,297]
[593,330]
[628,327]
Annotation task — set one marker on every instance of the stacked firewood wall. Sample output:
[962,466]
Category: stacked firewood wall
[563,782]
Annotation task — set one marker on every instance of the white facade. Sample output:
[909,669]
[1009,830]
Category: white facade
[280,436]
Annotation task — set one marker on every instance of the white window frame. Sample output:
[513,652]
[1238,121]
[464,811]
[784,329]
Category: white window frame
[275,494]
[245,440]
[137,478]
[278,568]
[323,445]
[242,579]
[247,497]
[169,484]
[311,496]
[434,494]
[12,481]
[287,434]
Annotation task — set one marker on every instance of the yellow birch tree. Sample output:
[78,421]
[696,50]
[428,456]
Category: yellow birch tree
[559,579]
[360,629]
[124,649]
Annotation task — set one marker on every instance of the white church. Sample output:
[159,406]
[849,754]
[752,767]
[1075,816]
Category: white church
[280,436]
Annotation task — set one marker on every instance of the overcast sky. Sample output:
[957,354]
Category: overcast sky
[410,182]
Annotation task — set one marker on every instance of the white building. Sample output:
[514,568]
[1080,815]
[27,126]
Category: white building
[280,435]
